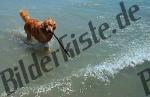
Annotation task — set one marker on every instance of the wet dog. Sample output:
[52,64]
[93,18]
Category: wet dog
[41,31]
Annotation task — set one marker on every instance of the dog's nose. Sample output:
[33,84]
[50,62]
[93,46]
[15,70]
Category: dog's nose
[50,29]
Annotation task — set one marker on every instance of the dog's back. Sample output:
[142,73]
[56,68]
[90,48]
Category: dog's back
[32,27]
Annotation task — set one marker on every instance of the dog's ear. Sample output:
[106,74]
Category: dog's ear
[43,25]
[54,26]
[53,23]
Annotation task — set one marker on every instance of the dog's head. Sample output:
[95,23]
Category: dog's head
[49,25]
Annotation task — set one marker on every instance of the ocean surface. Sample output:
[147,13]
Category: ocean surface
[106,69]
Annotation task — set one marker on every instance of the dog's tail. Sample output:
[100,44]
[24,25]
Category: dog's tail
[24,15]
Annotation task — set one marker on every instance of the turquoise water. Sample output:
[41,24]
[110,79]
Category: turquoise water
[107,69]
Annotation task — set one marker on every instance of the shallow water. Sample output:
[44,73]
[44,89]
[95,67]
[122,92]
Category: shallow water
[107,69]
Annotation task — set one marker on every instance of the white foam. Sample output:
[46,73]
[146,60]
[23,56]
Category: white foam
[100,71]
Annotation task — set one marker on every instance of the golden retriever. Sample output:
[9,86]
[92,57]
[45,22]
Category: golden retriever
[41,31]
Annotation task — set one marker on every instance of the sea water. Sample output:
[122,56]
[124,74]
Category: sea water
[107,69]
